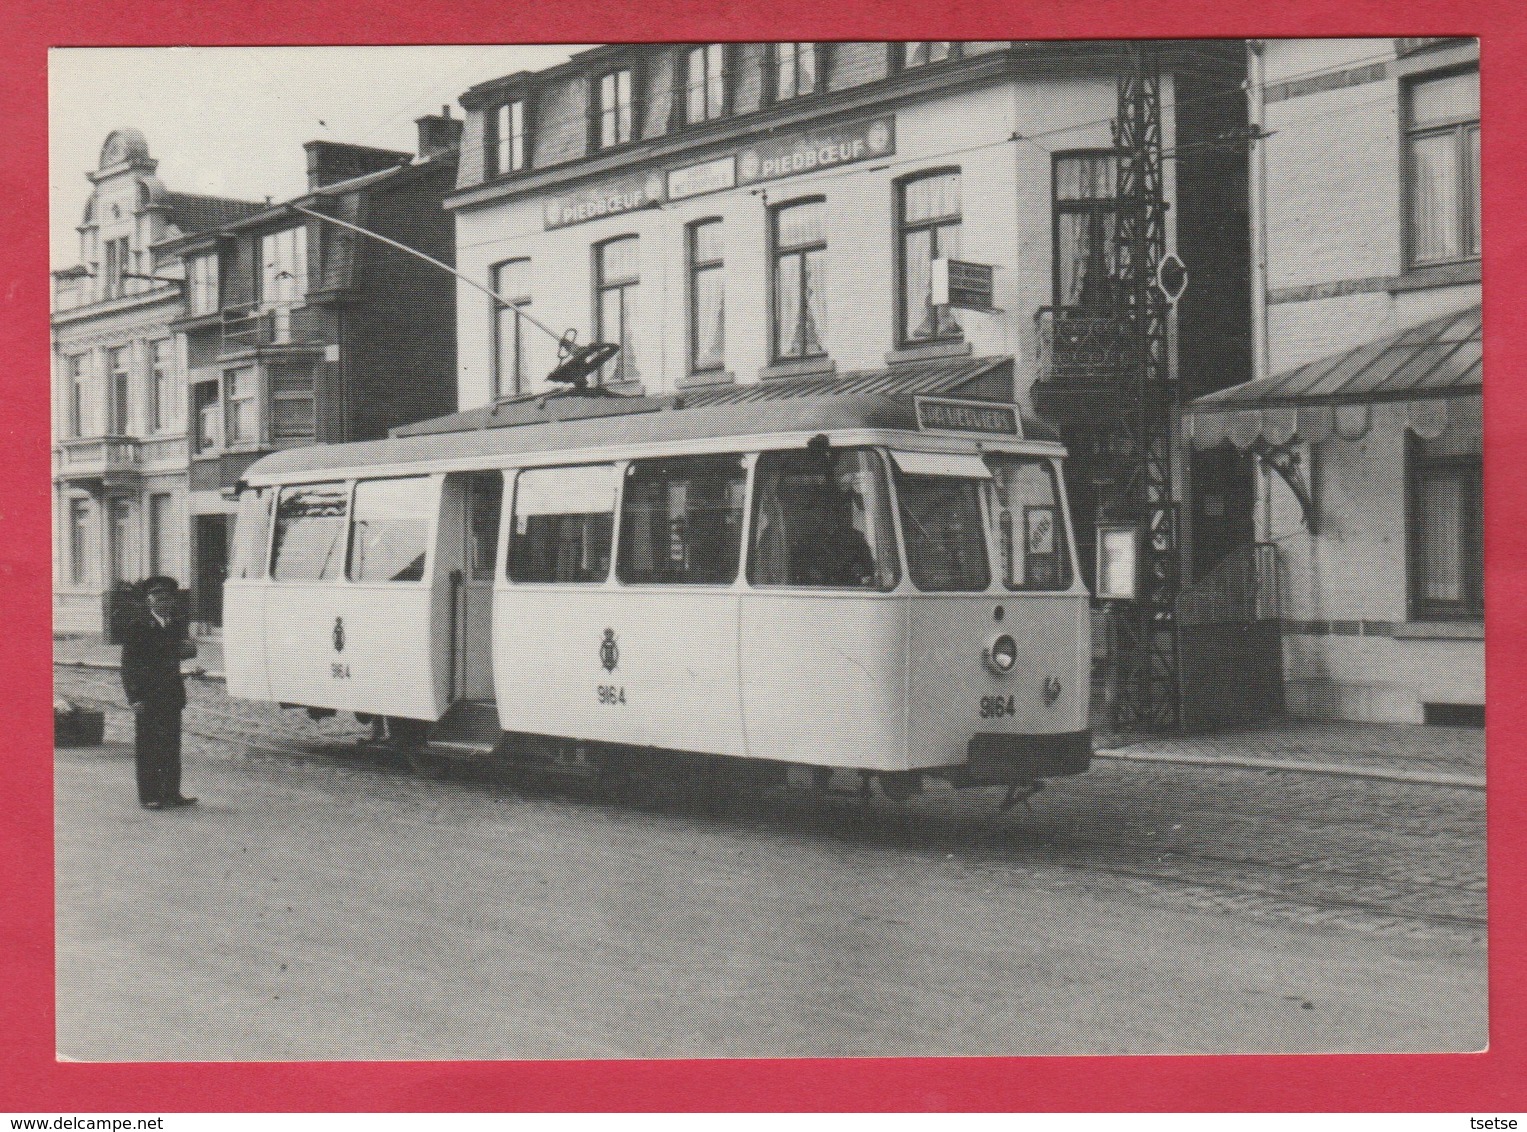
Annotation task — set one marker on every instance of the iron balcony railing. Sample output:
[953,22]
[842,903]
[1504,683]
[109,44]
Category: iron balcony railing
[1243,587]
[251,328]
[1075,345]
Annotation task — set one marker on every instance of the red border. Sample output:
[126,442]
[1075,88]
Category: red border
[30,1079]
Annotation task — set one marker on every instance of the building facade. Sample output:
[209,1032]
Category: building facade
[1373,407]
[120,458]
[739,213]
[297,331]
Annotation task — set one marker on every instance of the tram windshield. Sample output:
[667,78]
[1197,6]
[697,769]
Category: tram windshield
[822,519]
[945,532]
[1022,503]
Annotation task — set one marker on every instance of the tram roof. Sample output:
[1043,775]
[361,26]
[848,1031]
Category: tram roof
[571,421]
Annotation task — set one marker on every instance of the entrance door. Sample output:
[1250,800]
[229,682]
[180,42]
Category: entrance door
[481,501]
[211,567]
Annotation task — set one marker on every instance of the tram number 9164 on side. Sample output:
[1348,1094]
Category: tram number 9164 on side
[822,584]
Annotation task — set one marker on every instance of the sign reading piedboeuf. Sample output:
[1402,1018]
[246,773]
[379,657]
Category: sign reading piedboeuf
[606,198]
[819,149]
[938,414]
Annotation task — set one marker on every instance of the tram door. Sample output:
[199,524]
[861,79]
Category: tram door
[478,501]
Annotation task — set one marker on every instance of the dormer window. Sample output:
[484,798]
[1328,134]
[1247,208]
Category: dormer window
[613,112]
[506,141]
[921,54]
[796,70]
[705,82]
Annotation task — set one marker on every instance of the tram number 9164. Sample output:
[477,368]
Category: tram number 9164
[612,695]
[996,707]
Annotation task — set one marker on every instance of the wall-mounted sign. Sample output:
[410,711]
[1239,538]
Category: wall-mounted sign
[1118,552]
[819,149]
[607,198]
[941,414]
[707,177]
[957,283]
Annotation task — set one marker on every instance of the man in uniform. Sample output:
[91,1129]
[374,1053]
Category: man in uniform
[153,645]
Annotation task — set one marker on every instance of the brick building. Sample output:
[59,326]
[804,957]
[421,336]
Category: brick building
[769,212]
[299,332]
[1372,406]
[120,458]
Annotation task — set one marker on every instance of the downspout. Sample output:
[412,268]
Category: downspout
[1257,206]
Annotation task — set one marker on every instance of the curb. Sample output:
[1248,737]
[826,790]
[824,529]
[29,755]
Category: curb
[1336,770]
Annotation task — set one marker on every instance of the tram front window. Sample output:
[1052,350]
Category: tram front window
[945,534]
[822,519]
[1023,505]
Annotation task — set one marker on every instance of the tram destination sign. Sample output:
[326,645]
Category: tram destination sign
[819,149]
[941,414]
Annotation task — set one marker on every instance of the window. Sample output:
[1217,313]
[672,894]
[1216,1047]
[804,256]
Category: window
[707,297]
[617,273]
[201,280]
[1086,212]
[945,537]
[822,518]
[117,378]
[79,541]
[1447,526]
[293,420]
[158,534]
[485,495]
[283,278]
[124,541]
[243,426]
[118,262]
[507,139]
[799,269]
[921,54]
[209,416]
[796,66]
[76,368]
[162,375]
[389,530]
[251,533]
[564,521]
[928,216]
[704,82]
[1442,169]
[511,281]
[310,532]
[613,111]
[1023,508]
[681,521]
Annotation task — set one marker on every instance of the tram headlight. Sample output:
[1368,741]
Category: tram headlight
[1001,654]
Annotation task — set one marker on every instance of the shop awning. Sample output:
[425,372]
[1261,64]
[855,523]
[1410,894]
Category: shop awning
[1417,371]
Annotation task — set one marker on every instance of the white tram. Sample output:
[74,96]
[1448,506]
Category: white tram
[862,582]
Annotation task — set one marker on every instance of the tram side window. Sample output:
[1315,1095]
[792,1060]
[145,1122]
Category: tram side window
[251,533]
[310,532]
[563,522]
[822,519]
[942,523]
[1023,504]
[681,521]
[389,530]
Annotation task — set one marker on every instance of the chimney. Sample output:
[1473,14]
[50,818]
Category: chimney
[330,162]
[438,133]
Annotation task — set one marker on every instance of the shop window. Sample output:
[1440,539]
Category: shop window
[1442,169]
[928,228]
[681,521]
[1447,527]
[798,267]
[707,296]
[310,532]
[564,522]
[389,530]
[822,518]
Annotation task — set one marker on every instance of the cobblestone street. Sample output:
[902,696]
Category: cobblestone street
[322,902]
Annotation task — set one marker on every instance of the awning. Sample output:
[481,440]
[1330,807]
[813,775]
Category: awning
[1416,371]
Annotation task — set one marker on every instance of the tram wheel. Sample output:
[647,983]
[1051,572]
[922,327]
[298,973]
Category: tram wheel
[900,785]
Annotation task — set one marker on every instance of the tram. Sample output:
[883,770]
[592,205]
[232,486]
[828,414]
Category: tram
[812,582]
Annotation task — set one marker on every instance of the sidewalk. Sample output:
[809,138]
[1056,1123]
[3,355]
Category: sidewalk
[1445,756]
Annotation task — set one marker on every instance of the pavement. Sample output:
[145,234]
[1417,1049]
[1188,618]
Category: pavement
[1429,754]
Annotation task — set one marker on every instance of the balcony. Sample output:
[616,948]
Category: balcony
[112,461]
[1076,346]
[251,330]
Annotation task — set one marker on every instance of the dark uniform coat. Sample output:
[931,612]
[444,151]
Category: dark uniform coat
[151,676]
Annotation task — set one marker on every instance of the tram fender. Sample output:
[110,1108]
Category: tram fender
[994,758]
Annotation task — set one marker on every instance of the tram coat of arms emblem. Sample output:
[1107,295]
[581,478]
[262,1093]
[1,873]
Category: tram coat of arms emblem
[609,651]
